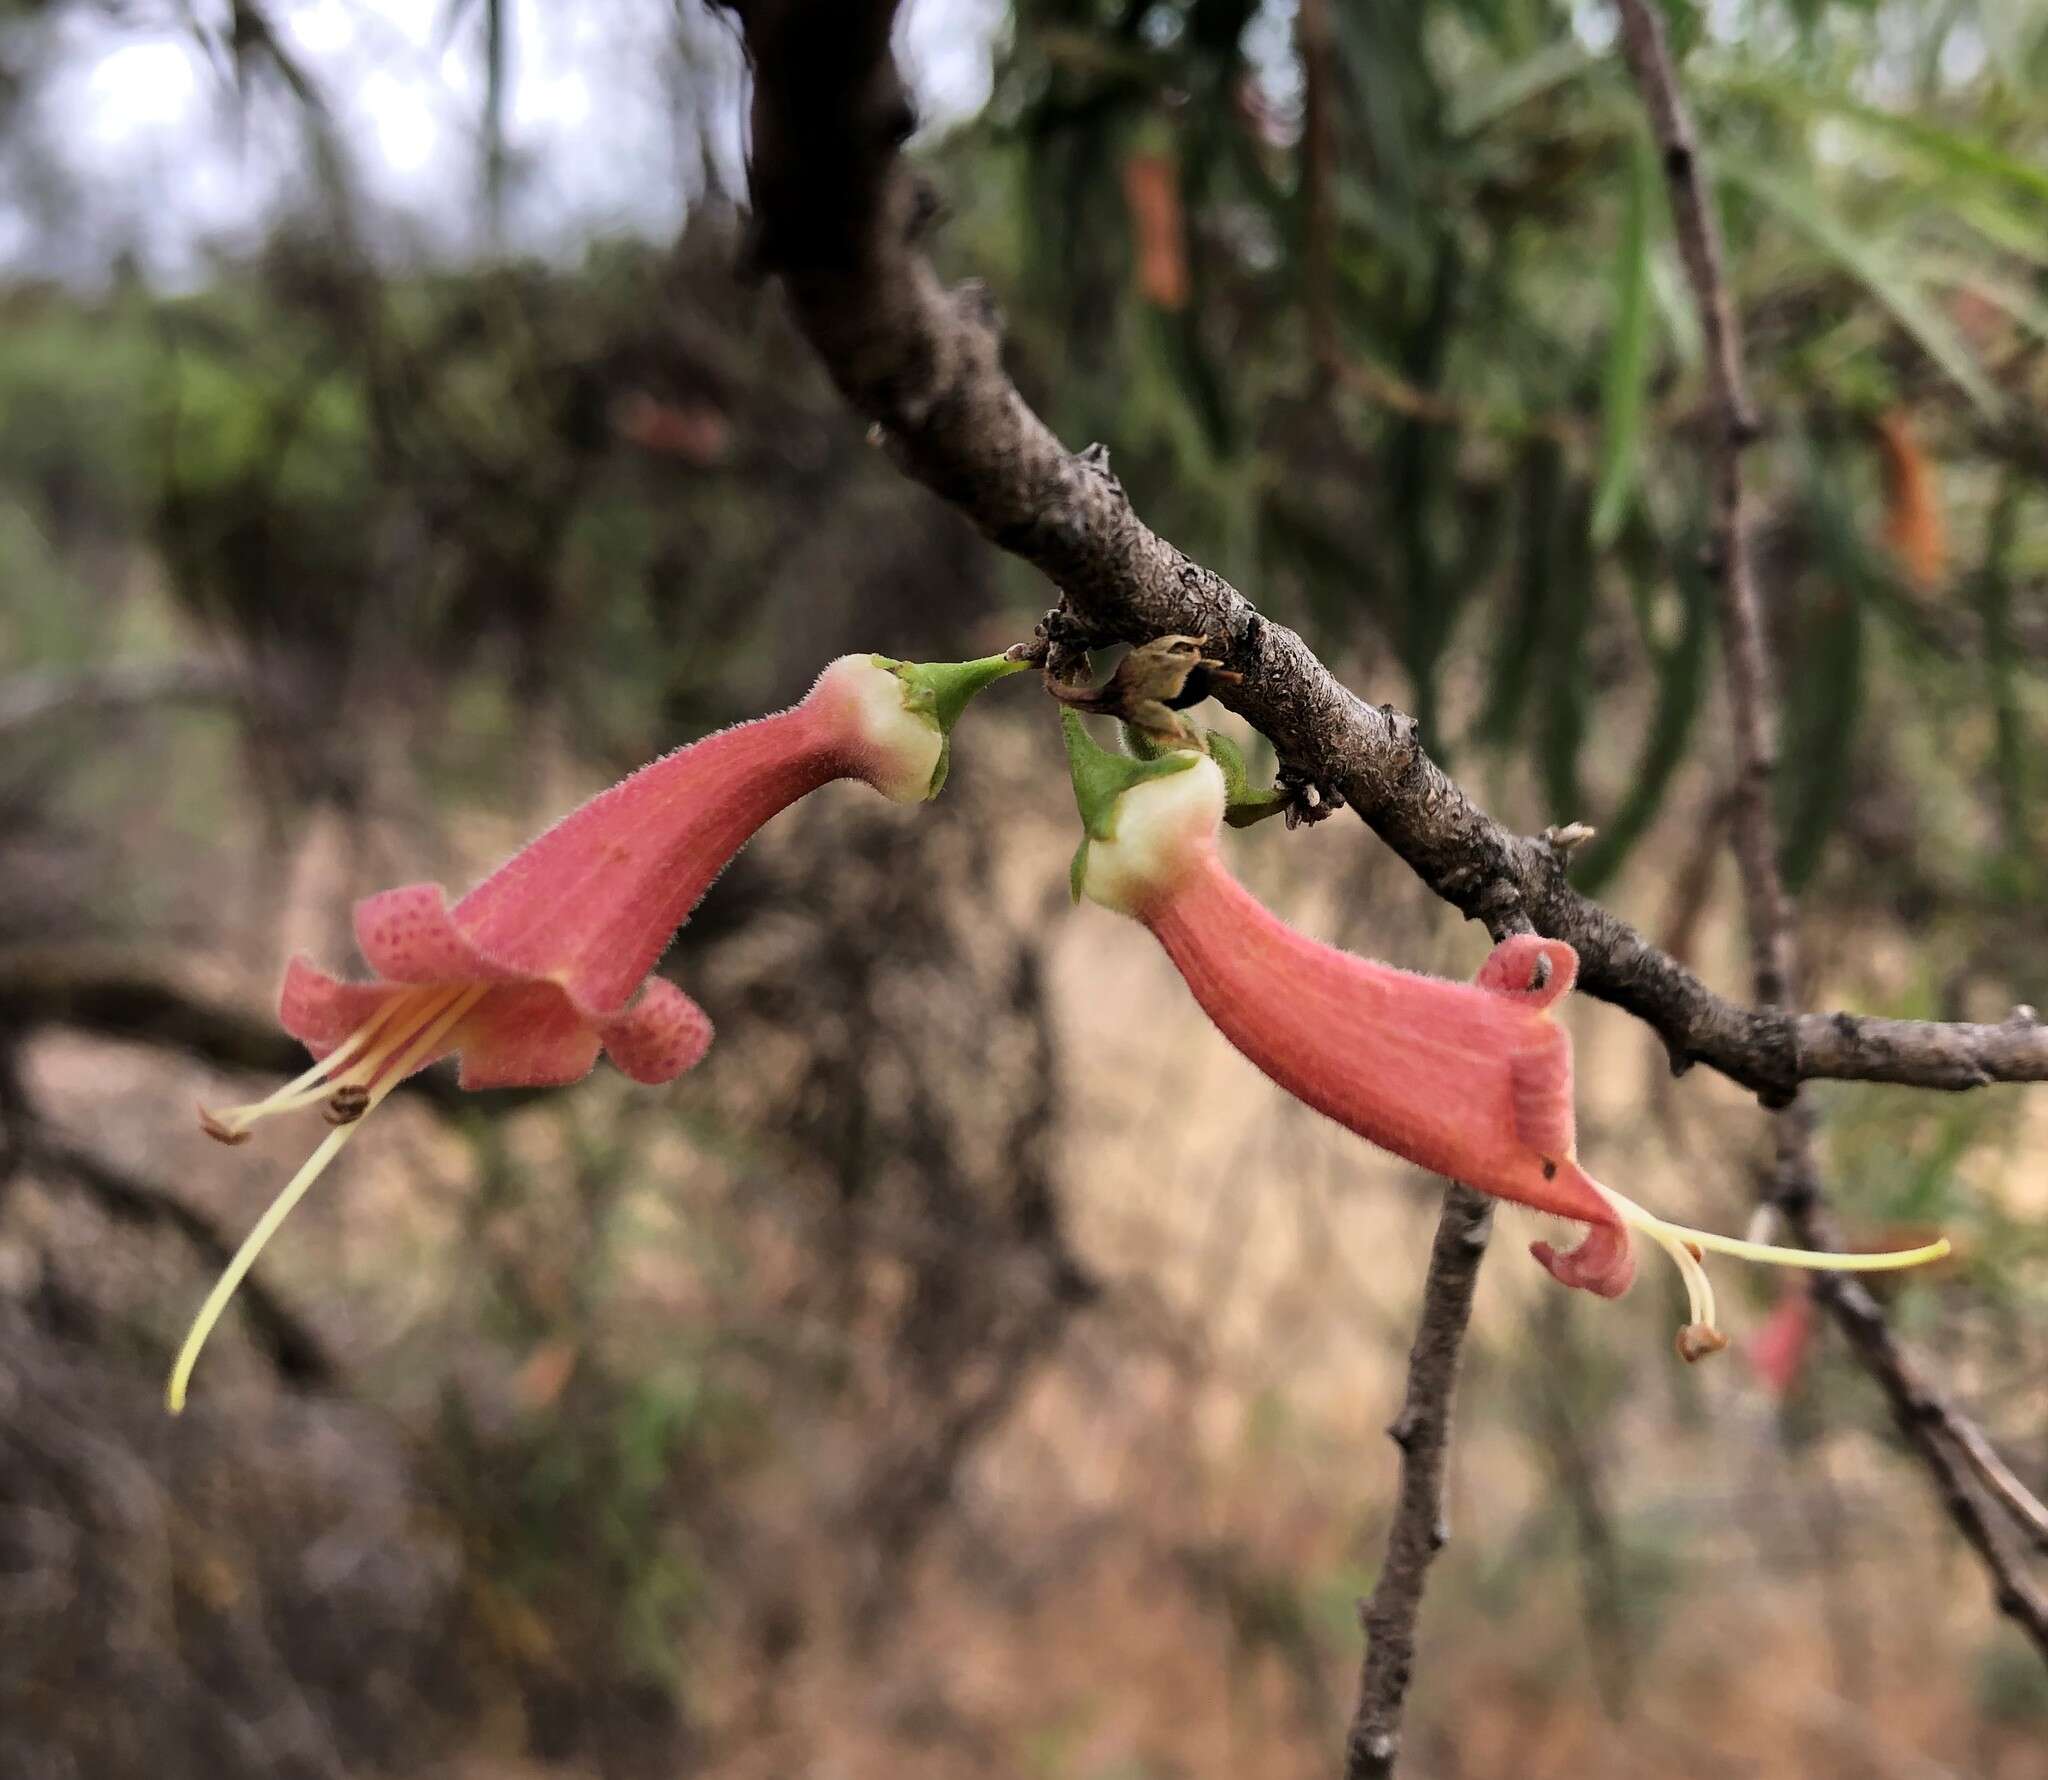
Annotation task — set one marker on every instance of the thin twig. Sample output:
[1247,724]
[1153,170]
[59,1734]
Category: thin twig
[1948,1442]
[1419,1531]
[30,698]
[2000,1479]
[1315,35]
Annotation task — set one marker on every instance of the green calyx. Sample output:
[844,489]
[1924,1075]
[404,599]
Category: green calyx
[939,691]
[1100,779]
[1243,804]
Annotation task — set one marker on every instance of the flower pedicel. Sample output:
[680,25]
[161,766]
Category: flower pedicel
[1472,1081]
[548,960]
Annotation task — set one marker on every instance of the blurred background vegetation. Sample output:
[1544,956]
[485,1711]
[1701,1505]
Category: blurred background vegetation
[975,1367]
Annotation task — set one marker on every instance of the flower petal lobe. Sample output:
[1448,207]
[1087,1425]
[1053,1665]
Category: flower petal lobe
[661,1035]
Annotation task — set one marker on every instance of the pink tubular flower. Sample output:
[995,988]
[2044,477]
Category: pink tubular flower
[1472,1081]
[547,961]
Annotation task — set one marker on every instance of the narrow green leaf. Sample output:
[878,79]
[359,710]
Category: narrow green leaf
[1500,92]
[1966,156]
[1681,678]
[1991,589]
[1628,354]
[1869,266]
[1564,717]
[1681,321]
[1828,666]
[1520,636]
[2022,237]
[2018,302]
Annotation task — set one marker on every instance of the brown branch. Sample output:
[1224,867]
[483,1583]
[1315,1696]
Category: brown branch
[114,994]
[1419,1531]
[840,217]
[29,698]
[1315,35]
[1946,1441]
[1965,1468]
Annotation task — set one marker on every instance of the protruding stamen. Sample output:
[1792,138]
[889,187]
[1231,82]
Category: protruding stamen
[347,1104]
[231,1124]
[1699,1290]
[404,1052]
[1815,1259]
[1769,1254]
[220,1130]
[1686,1245]
[1697,1340]
[245,1258]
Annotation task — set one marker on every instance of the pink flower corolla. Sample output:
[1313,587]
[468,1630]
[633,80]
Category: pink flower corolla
[548,960]
[1472,1081]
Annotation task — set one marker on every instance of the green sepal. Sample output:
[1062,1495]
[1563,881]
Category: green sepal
[1242,803]
[939,691]
[1077,870]
[1100,777]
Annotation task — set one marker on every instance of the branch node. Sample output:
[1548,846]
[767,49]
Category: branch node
[1093,461]
[1309,801]
[978,307]
[1563,838]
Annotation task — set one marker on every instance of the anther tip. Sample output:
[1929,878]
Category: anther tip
[346,1105]
[220,1130]
[1697,1340]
